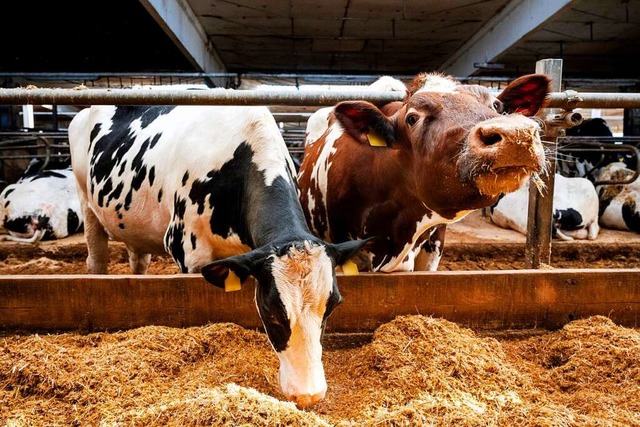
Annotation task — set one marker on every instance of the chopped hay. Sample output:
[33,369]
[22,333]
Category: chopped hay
[416,370]
[228,405]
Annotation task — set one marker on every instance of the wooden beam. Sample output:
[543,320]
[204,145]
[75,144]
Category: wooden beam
[484,300]
[540,213]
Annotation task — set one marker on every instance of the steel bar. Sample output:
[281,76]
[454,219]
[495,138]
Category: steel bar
[564,100]
[188,97]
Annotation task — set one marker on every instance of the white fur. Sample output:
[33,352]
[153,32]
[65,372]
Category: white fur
[303,292]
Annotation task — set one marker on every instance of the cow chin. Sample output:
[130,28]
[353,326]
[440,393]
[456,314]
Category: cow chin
[502,180]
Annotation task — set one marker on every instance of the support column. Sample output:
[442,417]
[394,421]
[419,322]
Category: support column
[538,249]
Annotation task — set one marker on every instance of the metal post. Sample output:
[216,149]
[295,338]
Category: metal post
[538,249]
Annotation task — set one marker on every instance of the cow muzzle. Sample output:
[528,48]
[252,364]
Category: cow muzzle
[302,379]
[503,153]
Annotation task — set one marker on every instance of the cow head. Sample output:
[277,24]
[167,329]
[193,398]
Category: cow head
[461,146]
[295,294]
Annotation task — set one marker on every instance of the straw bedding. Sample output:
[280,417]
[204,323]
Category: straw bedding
[414,370]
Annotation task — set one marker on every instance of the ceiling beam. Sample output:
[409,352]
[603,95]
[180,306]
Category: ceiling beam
[180,23]
[517,19]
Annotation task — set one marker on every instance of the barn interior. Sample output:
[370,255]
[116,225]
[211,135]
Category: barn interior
[246,44]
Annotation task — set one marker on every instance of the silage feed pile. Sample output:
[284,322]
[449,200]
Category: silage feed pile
[416,370]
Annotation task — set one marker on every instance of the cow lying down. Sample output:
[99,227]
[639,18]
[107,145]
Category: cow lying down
[215,188]
[41,205]
[619,204]
[402,171]
[575,209]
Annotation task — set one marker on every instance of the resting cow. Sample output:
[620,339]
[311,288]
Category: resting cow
[575,209]
[214,187]
[619,204]
[41,205]
[398,174]
[587,164]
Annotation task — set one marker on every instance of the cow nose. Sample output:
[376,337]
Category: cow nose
[306,400]
[489,136]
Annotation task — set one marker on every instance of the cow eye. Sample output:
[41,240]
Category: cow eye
[497,105]
[412,119]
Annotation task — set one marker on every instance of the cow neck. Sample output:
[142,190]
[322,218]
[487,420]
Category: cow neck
[274,215]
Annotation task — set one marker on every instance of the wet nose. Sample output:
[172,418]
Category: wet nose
[306,400]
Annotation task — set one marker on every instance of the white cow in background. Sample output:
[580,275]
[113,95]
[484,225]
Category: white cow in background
[575,209]
[619,204]
[41,205]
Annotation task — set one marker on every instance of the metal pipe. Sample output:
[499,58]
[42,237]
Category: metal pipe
[569,100]
[566,100]
[189,97]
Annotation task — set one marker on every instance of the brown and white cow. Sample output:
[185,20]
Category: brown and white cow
[402,174]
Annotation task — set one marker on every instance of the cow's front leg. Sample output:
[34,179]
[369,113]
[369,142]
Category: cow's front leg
[97,242]
[139,263]
[430,254]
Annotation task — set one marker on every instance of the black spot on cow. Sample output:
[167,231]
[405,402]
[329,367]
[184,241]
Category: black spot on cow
[270,304]
[160,195]
[138,178]
[120,216]
[106,189]
[73,222]
[127,200]
[123,166]
[567,219]
[185,178]
[49,174]
[18,225]
[115,194]
[193,241]
[121,225]
[174,239]
[605,196]
[225,193]
[21,224]
[7,203]
[154,140]
[9,191]
[152,175]
[631,216]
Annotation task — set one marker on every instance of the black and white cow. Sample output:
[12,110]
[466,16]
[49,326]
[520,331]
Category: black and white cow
[215,188]
[587,164]
[575,209]
[41,205]
[619,204]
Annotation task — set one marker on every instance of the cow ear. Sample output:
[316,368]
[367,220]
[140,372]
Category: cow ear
[365,122]
[242,266]
[343,252]
[526,94]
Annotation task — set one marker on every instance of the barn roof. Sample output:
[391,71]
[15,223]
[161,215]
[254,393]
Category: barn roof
[595,38]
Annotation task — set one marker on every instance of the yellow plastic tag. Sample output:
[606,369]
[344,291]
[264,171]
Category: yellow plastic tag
[350,268]
[232,282]
[376,140]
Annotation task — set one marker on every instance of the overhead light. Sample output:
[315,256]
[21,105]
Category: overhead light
[489,65]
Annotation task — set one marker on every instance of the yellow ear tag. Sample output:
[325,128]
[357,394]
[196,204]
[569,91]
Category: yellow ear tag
[232,282]
[376,140]
[350,268]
